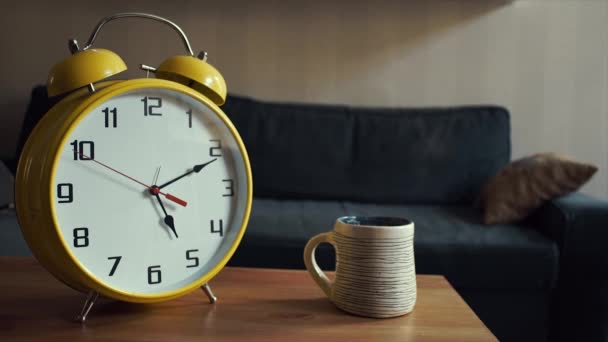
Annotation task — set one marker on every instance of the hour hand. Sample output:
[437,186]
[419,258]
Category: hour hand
[195,168]
[168,218]
[169,222]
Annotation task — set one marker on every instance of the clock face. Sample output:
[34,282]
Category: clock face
[150,191]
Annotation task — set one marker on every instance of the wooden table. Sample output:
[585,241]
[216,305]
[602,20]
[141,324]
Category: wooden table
[253,305]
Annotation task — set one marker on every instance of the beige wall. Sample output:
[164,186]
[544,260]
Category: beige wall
[546,60]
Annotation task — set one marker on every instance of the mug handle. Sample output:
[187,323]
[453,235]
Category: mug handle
[311,263]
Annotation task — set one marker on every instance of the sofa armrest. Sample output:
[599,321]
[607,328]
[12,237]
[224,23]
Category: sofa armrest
[579,225]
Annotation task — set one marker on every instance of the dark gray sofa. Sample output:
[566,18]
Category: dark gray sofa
[542,279]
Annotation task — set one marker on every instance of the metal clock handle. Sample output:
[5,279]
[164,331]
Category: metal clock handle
[89,43]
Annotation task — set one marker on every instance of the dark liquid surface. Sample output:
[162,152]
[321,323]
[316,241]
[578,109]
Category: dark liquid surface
[375,221]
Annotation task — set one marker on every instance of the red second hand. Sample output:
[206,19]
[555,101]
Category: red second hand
[167,196]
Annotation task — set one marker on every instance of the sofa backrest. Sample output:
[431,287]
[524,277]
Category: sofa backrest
[430,155]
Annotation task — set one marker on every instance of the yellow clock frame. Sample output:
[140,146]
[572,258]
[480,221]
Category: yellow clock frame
[34,188]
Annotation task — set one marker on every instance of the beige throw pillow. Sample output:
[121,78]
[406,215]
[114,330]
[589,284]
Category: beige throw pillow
[525,184]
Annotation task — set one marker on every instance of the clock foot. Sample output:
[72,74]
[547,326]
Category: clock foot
[88,304]
[209,293]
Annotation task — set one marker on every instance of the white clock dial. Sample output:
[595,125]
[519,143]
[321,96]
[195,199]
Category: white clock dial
[113,224]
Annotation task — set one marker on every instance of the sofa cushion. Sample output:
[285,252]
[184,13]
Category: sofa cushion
[449,240]
[431,155]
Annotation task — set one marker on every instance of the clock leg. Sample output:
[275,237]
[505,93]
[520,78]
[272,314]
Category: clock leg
[88,304]
[209,293]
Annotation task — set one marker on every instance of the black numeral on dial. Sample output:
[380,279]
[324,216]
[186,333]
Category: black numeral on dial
[150,104]
[65,193]
[107,111]
[229,188]
[81,237]
[217,227]
[115,265]
[192,258]
[83,150]
[189,112]
[216,148]
[154,275]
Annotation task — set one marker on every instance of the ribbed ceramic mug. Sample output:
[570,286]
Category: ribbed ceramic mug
[375,270]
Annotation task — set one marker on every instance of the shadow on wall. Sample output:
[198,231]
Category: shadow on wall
[321,52]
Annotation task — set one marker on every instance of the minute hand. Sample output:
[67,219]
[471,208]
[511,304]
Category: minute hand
[195,168]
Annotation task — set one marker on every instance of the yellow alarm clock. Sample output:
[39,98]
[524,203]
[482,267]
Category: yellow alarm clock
[138,190]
